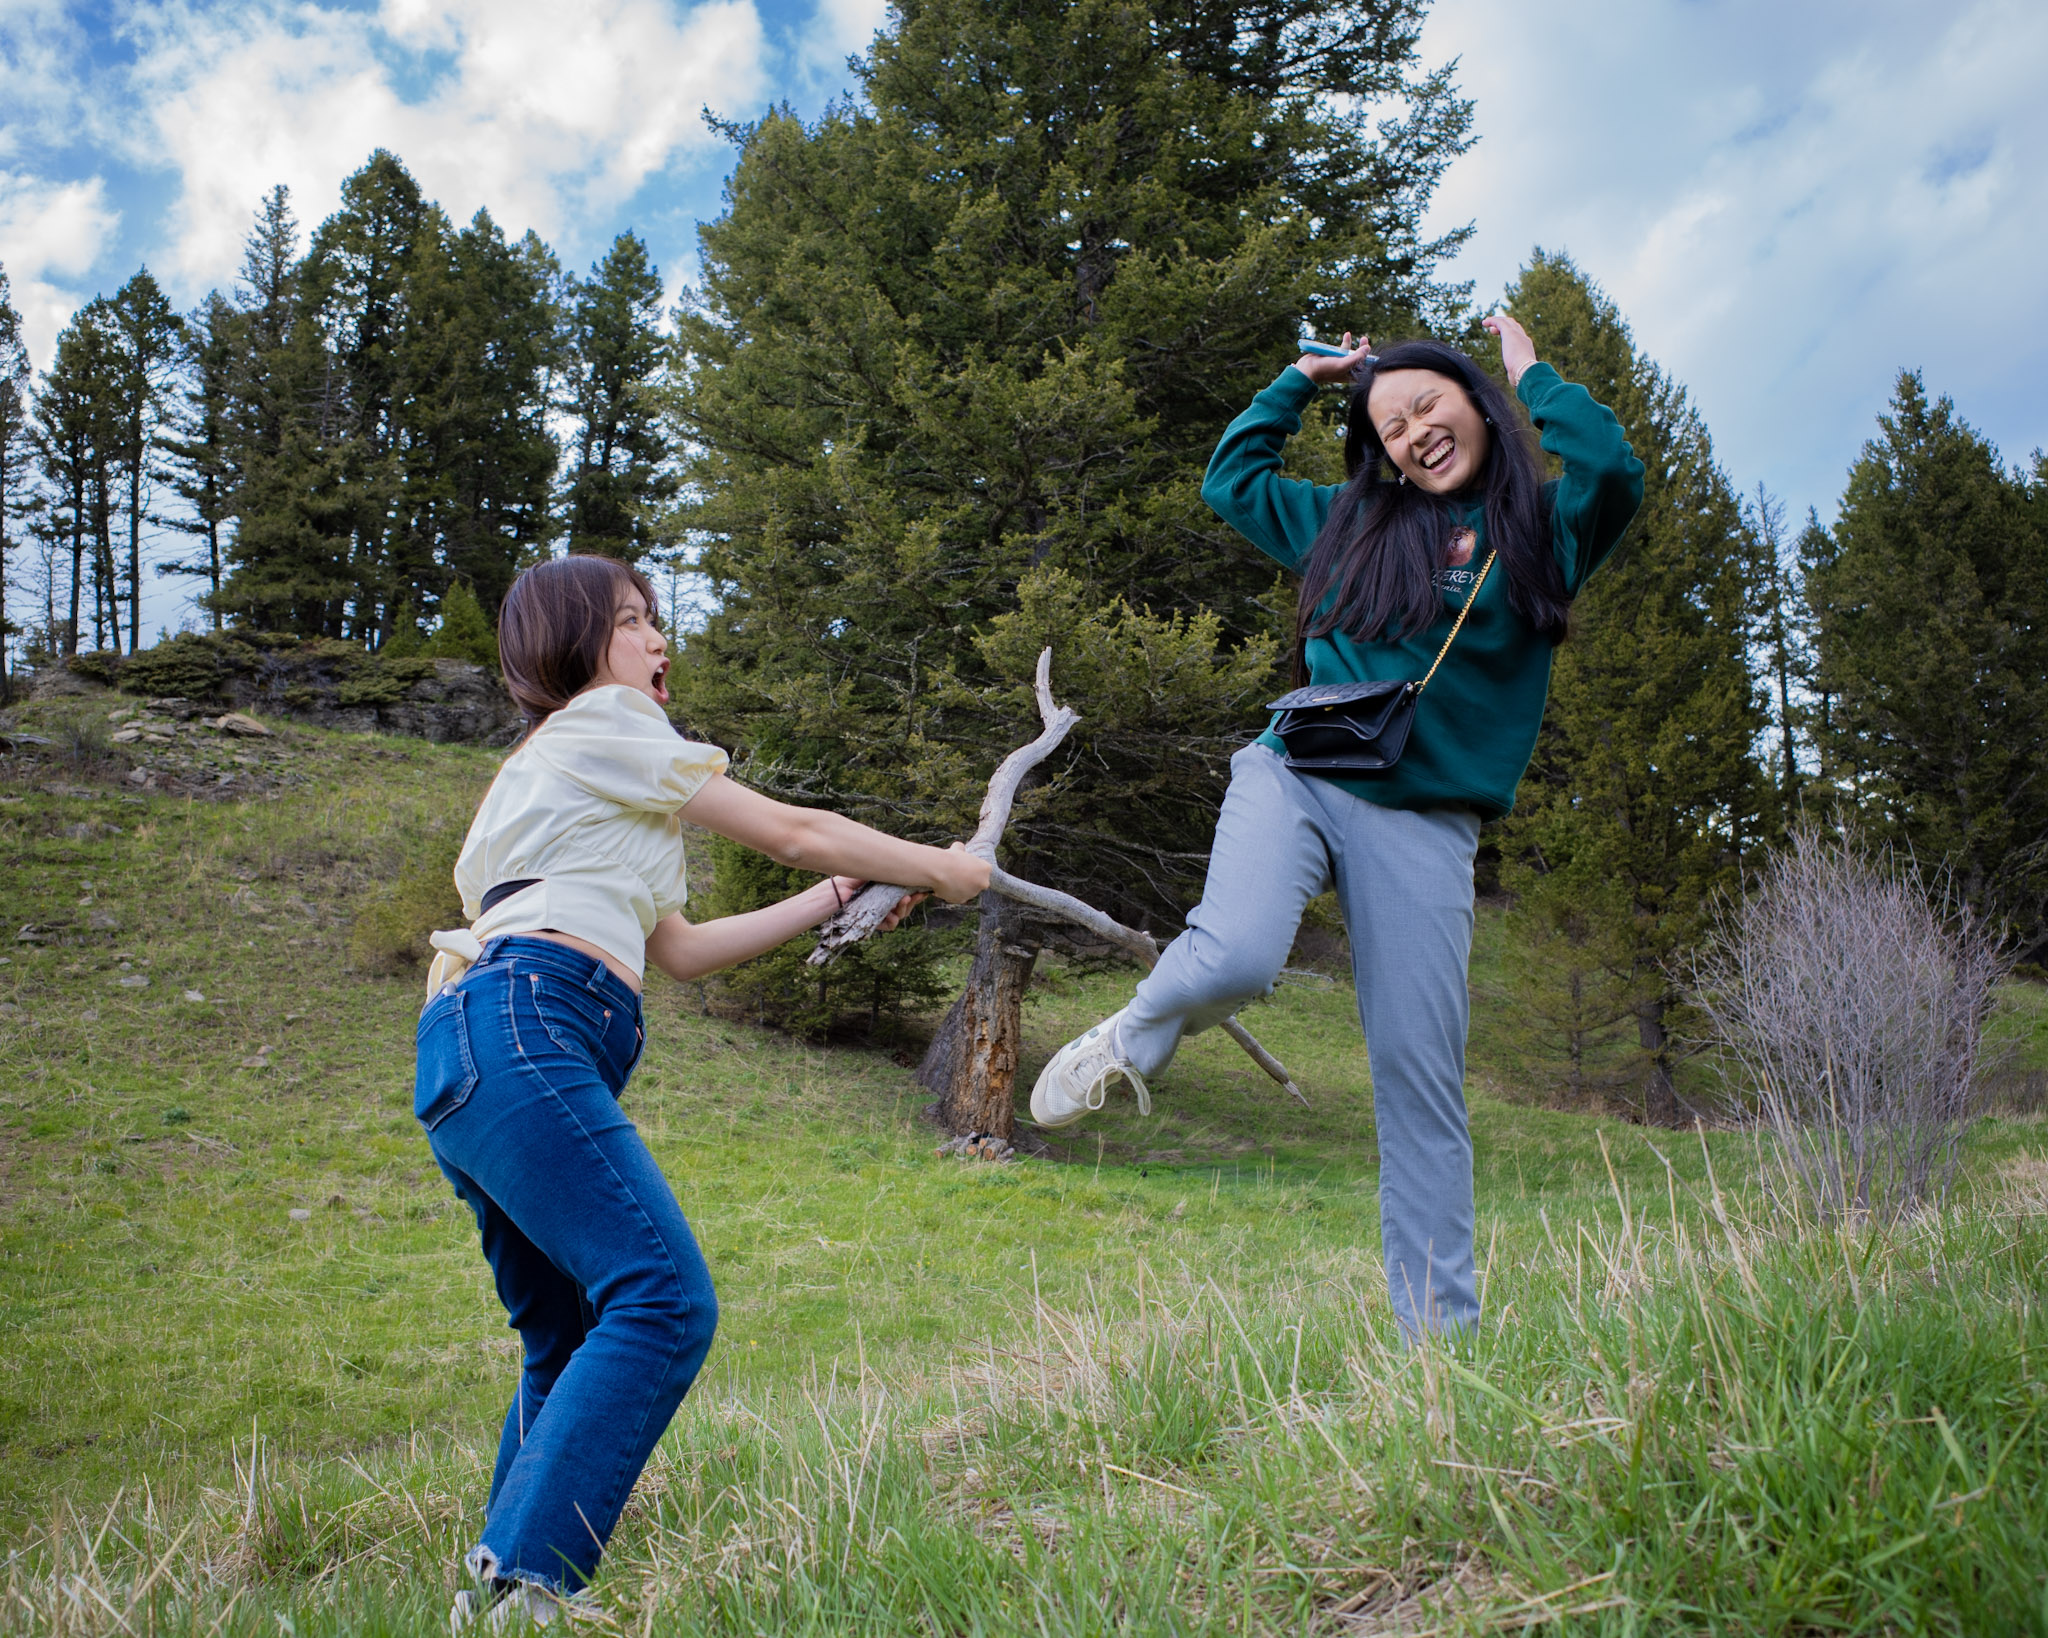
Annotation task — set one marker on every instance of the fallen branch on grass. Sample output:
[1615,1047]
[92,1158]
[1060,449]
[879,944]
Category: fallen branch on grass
[871,906]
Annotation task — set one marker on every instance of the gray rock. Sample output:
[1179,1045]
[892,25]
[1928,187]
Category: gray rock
[239,723]
[453,702]
[53,682]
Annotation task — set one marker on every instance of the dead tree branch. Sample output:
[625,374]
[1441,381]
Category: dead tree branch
[871,906]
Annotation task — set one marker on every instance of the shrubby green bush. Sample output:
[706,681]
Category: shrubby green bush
[188,666]
[389,934]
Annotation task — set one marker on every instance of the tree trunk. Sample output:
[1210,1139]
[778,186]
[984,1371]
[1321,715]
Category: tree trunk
[77,573]
[135,547]
[972,1063]
[1660,1094]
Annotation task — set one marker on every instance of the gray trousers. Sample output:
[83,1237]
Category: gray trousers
[1404,881]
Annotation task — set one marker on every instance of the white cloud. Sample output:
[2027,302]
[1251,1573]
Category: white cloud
[49,228]
[1788,203]
[542,122]
[38,91]
[838,29]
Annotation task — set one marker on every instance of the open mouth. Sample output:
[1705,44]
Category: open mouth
[1438,455]
[660,682]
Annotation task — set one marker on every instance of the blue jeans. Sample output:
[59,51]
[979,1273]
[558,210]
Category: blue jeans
[1404,883]
[520,1066]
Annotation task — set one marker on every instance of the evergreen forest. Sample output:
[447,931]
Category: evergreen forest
[943,394]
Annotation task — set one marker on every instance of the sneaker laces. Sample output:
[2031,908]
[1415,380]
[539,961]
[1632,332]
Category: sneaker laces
[1098,1086]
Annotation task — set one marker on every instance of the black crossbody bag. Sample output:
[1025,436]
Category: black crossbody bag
[1335,729]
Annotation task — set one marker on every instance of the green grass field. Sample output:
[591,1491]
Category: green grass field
[251,1368]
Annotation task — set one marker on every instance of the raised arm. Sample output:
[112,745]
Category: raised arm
[1243,486]
[1602,483]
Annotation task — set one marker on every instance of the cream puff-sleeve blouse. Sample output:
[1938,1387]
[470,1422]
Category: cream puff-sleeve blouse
[588,804]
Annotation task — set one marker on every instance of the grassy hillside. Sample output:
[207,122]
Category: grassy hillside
[251,1367]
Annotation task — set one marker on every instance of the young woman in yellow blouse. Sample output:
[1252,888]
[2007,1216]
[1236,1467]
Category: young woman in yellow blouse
[573,877]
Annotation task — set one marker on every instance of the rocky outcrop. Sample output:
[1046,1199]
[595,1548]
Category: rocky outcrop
[325,683]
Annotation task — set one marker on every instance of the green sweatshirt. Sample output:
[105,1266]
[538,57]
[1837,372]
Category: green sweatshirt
[1475,725]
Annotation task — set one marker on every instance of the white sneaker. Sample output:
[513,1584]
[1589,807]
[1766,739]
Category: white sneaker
[515,1607]
[1076,1081]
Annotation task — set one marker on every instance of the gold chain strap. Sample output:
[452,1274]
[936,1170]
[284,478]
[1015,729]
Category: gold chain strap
[1467,609]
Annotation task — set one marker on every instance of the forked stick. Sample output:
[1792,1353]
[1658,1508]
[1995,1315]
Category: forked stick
[871,906]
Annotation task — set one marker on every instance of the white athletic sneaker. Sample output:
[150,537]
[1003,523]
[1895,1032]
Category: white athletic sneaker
[1076,1082]
[514,1608]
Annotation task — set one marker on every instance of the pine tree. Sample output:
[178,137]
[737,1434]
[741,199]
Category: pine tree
[199,457]
[1813,552]
[1782,636]
[1932,603]
[148,334]
[77,435]
[288,427]
[992,320]
[622,476]
[464,632]
[475,457]
[1643,794]
[16,447]
[386,423]
[353,283]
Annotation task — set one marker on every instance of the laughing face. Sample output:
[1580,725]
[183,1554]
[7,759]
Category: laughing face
[638,653]
[1433,432]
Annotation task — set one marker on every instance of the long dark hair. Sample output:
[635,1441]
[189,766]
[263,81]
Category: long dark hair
[1373,569]
[555,625]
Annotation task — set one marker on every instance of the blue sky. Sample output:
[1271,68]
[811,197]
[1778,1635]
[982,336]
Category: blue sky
[1790,199]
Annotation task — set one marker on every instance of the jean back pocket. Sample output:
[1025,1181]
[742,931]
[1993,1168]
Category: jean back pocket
[446,1072]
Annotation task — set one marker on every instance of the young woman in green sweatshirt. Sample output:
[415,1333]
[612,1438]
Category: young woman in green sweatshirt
[1445,504]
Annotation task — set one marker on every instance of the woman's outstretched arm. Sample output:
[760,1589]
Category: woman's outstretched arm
[812,839]
[686,950]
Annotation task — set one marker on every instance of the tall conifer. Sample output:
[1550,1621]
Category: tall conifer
[475,459]
[621,476]
[78,436]
[1644,793]
[148,333]
[290,422]
[15,452]
[353,283]
[990,321]
[1932,604]
[199,455]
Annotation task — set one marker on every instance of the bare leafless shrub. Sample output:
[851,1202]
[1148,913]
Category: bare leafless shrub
[1849,1002]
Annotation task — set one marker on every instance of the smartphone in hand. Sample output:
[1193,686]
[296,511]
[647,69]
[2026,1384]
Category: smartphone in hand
[1322,349]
